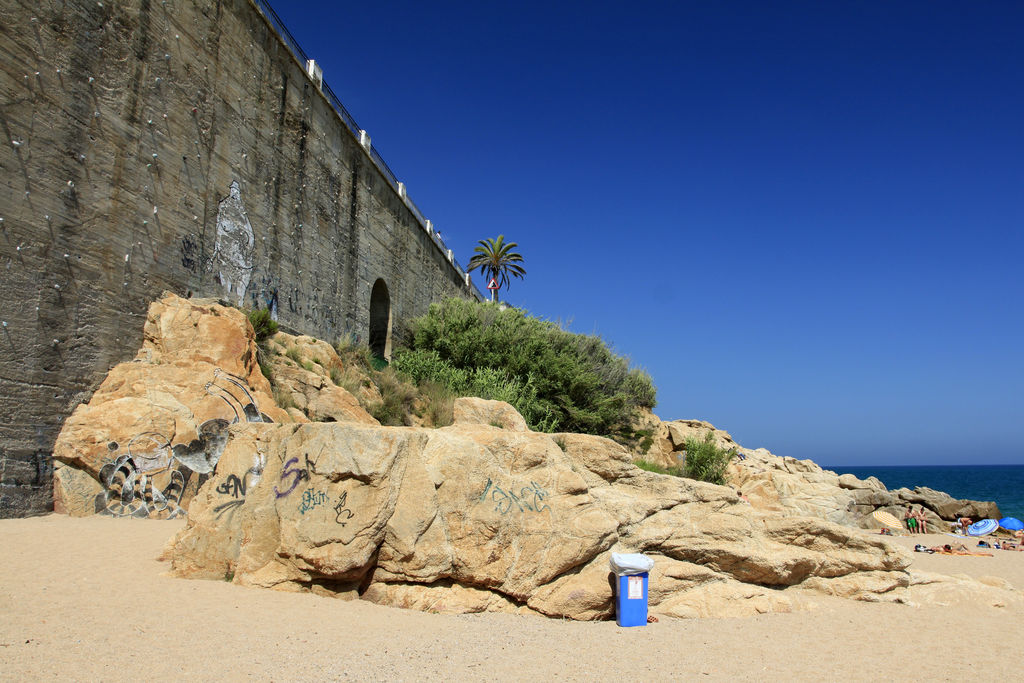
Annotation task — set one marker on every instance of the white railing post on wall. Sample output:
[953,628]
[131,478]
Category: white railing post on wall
[315,72]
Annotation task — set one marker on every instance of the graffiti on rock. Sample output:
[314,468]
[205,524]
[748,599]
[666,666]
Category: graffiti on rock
[148,478]
[340,509]
[236,488]
[312,499]
[530,498]
[297,474]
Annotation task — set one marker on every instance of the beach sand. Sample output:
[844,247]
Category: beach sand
[85,599]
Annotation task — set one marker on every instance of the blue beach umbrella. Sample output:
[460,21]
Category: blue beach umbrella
[985,526]
[1011,524]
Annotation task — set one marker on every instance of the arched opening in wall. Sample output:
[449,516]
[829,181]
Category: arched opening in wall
[380,323]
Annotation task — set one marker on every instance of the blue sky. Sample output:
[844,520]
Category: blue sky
[802,218]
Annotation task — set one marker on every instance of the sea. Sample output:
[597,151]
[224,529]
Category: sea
[1003,484]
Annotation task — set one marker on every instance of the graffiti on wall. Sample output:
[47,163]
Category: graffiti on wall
[529,499]
[235,247]
[148,477]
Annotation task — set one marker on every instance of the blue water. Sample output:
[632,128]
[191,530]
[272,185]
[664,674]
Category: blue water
[1002,483]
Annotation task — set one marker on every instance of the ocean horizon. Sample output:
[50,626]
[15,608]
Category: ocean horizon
[1003,484]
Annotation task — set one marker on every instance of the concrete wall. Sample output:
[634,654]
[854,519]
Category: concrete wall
[150,146]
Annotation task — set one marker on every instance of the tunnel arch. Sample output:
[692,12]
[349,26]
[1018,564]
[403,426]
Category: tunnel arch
[380,320]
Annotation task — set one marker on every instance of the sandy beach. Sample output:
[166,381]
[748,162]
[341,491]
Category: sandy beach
[86,599]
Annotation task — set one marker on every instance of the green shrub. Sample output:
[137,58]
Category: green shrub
[555,378]
[283,399]
[308,366]
[397,399]
[705,461]
[265,367]
[294,354]
[263,324]
[560,442]
[439,404]
[483,382]
[336,375]
[654,467]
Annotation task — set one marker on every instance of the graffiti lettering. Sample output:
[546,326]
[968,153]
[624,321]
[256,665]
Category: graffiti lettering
[311,499]
[298,475]
[340,509]
[190,253]
[538,494]
[507,499]
[232,487]
[236,487]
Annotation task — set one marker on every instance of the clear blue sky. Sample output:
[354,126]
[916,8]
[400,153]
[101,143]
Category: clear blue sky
[804,219]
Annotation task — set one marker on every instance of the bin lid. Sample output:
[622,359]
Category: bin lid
[630,563]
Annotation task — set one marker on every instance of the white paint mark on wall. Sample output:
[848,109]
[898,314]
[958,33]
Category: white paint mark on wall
[235,246]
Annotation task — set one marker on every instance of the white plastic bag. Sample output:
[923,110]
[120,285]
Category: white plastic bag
[626,564]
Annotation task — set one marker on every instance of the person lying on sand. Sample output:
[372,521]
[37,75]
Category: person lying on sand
[960,549]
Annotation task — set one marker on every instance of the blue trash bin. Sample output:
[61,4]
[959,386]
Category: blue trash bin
[631,600]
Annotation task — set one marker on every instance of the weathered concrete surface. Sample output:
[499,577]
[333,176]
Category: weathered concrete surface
[172,146]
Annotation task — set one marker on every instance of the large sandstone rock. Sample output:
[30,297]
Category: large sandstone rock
[306,372]
[481,411]
[801,487]
[155,427]
[476,517]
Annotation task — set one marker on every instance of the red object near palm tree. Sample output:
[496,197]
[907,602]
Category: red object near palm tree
[497,261]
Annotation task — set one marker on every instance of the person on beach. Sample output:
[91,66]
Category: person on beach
[922,520]
[964,523]
[910,519]
[960,549]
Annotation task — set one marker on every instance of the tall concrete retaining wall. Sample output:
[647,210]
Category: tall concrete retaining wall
[180,145]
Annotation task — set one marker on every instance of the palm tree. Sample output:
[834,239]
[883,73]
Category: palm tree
[497,261]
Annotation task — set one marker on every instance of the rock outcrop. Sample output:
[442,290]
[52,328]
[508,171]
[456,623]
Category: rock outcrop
[154,429]
[801,487]
[482,515]
[477,517]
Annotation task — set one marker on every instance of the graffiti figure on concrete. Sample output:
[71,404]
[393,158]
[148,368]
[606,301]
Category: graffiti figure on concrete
[149,478]
[234,250]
